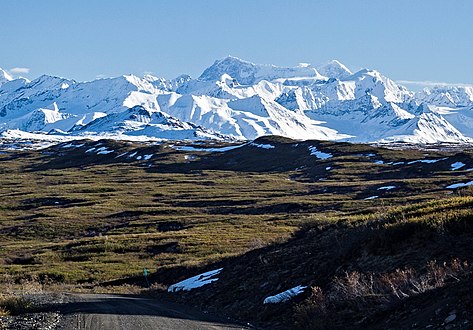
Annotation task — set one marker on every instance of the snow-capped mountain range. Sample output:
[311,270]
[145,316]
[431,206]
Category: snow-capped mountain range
[236,99]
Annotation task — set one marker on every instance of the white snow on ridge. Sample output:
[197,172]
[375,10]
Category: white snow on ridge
[285,295]
[195,281]
[371,197]
[319,154]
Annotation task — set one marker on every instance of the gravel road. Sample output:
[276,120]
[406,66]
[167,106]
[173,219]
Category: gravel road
[100,311]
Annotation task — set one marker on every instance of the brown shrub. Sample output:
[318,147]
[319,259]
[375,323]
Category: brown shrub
[365,294]
[13,305]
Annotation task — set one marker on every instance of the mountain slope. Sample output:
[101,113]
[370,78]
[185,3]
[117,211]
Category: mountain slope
[242,100]
[448,96]
[140,121]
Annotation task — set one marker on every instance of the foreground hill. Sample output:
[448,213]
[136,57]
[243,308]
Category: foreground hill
[237,99]
[370,234]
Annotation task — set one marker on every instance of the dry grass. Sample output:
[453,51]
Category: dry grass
[365,294]
[14,305]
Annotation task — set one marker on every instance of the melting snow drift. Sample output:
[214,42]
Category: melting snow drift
[387,188]
[195,281]
[284,296]
[460,185]
[262,146]
[319,154]
[426,161]
[457,165]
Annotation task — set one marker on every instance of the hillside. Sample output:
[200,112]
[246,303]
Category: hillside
[336,218]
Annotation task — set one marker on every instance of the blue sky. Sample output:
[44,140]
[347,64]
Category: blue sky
[409,40]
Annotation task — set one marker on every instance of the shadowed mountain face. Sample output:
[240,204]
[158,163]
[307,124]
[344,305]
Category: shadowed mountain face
[237,99]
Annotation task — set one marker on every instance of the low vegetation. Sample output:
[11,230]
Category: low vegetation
[14,305]
[367,227]
[366,294]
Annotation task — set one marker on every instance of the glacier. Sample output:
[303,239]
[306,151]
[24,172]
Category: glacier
[234,99]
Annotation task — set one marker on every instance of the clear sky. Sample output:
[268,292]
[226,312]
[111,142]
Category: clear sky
[414,40]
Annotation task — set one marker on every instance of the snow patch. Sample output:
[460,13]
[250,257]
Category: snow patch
[371,197]
[284,296]
[426,161]
[103,151]
[457,165]
[121,155]
[319,154]
[195,281]
[387,188]
[460,185]
[262,146]
[147,157]
[70,145]
[221,149]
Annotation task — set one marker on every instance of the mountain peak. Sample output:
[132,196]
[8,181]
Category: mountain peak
[4,76]
[233,66]
[334,69]
[364,72]
[234,59]
[248,73]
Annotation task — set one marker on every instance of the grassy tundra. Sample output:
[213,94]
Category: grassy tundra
[72,215]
